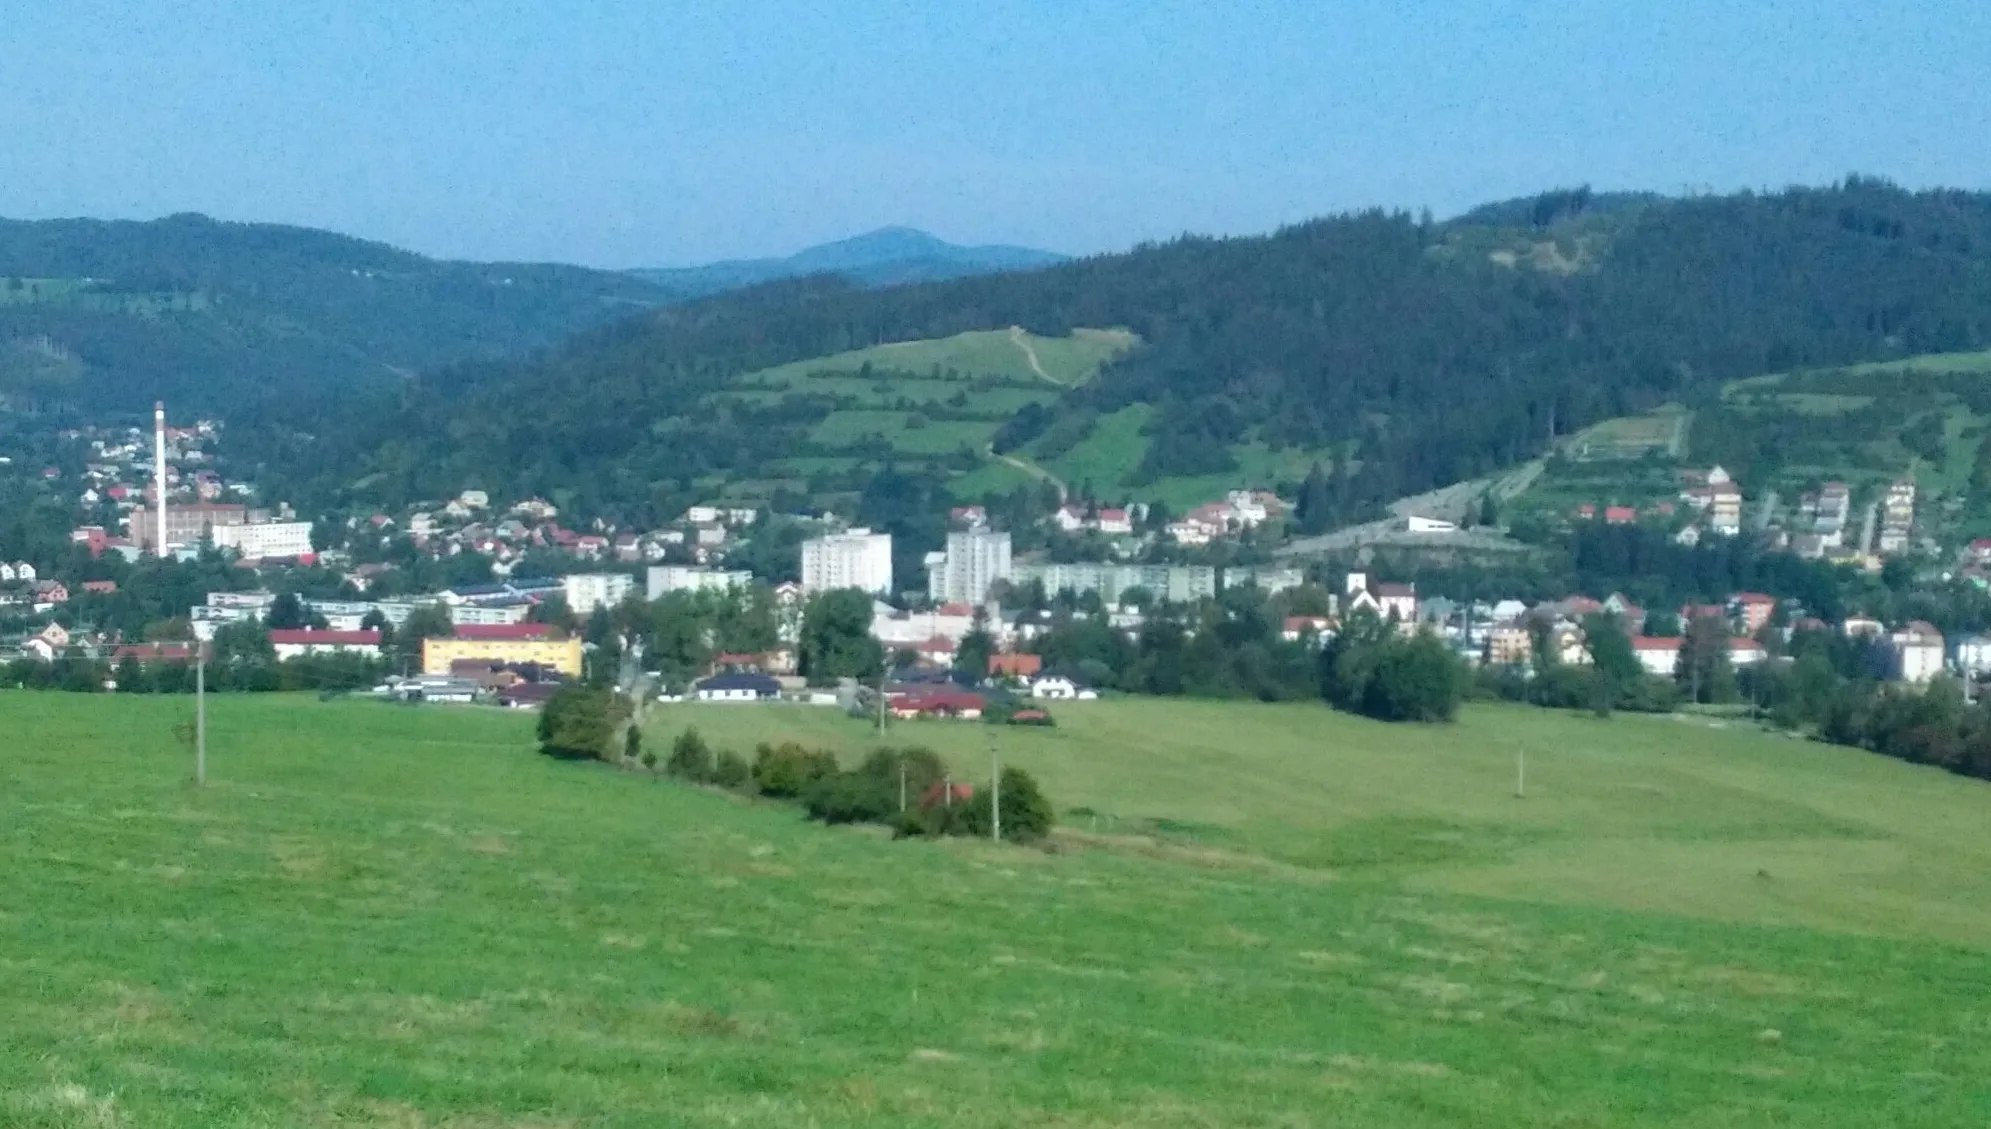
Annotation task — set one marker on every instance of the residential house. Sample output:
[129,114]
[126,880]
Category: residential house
[101,587]
[1861,625]
[939,702]
[1058,688]
[1918,651]
[1015,665]
[1658,654]
[738,688]
[1620,515]
[51,643]
[1744,651]
[1383,600]
[1509,644]
[297,644]
[1069,519]
[1114,523]
[1319,628]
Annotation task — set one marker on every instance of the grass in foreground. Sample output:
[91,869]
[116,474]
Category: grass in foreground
[380,916]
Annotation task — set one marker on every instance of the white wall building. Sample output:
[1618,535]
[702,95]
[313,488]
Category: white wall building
[269,539]
[1918,652]
[974,560]
[684,578]
[587,591]
[1179,584]
[857,559]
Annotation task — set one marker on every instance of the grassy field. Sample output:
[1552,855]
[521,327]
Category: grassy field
[377,916]
[1109,457]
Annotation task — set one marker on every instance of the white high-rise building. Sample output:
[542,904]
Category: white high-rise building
[590,590]
[858,559]
[975,559]
[684,578]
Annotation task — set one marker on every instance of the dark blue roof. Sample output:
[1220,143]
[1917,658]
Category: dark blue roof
[480,590]
[759,683]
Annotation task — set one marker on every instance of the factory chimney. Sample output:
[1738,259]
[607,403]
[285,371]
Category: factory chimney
[159,471]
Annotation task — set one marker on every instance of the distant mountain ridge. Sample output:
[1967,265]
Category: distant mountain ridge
[109,315]
[890,256]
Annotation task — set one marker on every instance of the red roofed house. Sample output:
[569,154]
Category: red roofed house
[1754,609]
[1620,515]
[101,587]
[1586,510]
[1297,627]
[940,703]
[1015,664]
[939,650]
[296,644]
[1115,522]
[1658,654]
[1691,612]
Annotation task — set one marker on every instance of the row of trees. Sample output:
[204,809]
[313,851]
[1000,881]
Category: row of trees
[910,790]
[315,673]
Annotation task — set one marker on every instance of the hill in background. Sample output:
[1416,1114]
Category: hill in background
[1415,354]
[109,316]
[890,256]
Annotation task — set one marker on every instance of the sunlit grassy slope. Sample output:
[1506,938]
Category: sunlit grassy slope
[377,916]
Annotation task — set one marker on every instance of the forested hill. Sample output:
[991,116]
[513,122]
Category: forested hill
[1431,352]
[103,316]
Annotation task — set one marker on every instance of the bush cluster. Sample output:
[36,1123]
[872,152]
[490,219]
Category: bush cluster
[905,789]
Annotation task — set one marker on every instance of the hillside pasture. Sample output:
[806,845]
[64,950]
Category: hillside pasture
[391,916]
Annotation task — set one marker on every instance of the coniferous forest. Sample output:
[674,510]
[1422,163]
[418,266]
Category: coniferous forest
[1432,351]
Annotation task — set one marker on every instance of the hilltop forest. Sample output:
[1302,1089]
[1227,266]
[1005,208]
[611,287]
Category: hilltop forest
[236,319]
[1416,353]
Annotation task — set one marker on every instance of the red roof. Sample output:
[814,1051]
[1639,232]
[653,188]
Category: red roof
[1586,510]
[941,701]
[1016,665]
[1620,513]
[494,632]
[308,637]
[101,587]
[1297,623]
[1655,643]
[1754,598]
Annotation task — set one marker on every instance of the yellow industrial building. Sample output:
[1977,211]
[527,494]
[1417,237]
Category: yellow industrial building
[563,655]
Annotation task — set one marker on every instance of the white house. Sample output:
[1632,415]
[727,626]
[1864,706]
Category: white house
[738,688]
[1416,524]
[1058,688]
[297,644]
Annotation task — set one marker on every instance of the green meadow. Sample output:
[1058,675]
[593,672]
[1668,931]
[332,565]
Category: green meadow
[1256,916]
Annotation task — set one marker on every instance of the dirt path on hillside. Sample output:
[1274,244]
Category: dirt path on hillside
[1031,469]
[1022,341]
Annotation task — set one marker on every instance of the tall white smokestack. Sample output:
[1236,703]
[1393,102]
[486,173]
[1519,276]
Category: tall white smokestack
[159,470]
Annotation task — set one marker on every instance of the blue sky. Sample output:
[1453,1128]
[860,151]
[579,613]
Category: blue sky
[636,133]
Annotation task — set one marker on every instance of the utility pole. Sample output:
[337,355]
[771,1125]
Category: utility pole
[902,783]
[1521,774]
[995,790]
[200,715]
[881,699]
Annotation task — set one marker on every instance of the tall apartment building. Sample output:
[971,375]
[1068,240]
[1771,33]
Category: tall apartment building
[975,560]
[684,578]
[857,559]
[1179,584]
[588,591]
